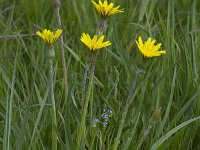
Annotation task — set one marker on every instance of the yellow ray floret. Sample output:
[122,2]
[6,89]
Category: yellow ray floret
[105,9]
[148,48]
[49,36]
[95,43]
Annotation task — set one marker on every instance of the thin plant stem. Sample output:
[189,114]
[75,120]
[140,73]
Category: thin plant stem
[8,37]
[101,27]
[57,4]
[153,120]
[128,103]
[84,82]
[53,111]
[147,131]
[81,131]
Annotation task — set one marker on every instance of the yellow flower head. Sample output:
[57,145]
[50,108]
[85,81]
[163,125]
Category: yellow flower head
[49,36]
[148,48]
[95,43]
[105,9]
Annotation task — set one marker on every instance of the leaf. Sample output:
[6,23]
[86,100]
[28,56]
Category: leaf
[171,132]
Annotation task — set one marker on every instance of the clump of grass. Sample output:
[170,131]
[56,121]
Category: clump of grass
[170,81]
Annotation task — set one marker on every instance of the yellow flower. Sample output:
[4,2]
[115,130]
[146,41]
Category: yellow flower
[148,48]
[49,36]
[106,9]
[95,43]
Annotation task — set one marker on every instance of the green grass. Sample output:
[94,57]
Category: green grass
[170,81]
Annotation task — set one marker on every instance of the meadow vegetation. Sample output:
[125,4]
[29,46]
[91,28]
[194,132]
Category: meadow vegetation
[165,109]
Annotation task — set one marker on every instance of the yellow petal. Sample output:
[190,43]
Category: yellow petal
[157,47]
[140,41]
[40,34]
[148,48]
[95,43]
[105,9]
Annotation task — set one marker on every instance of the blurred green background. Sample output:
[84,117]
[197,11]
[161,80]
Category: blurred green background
[170,81]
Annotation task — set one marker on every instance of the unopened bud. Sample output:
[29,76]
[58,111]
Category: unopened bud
[156,116]
[51,53]
[102,27]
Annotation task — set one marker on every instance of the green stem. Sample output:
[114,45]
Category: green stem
[84,83]
[81,131]
[144,136]
[62,53]
[53,111]
[128,103]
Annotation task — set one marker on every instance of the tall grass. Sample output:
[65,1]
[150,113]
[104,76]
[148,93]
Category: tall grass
[170,82]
